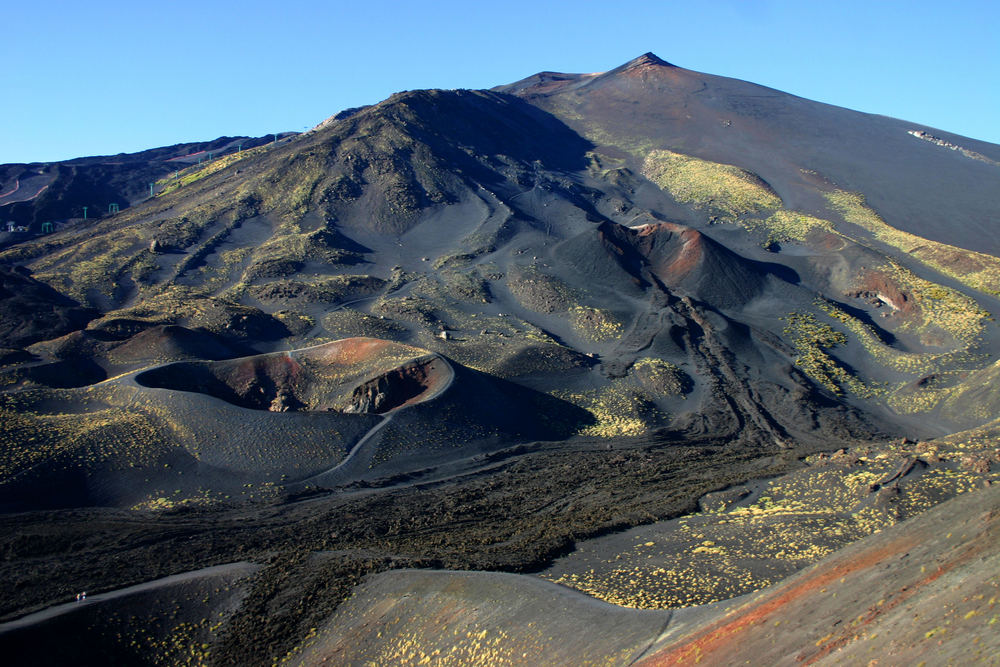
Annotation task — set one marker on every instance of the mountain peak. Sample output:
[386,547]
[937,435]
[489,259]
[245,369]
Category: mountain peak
[648,59]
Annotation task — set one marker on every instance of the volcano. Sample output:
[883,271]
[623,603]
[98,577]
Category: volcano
[650,336]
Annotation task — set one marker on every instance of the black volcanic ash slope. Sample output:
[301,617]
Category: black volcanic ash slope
[447,212]
[481,226]
[649,104]
[680,281]
[541,256]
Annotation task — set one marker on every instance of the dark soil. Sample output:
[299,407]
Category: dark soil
[504,518]
[31,311]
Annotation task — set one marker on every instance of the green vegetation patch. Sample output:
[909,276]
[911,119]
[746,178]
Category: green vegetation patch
[450,285]
[503,350]
[407,308]
[92,265]
[975,269]
[722,189]
[811,340]
[179,233]
[942,308]
[197,172]
[451,428]
[944,320]
[595,324]
[286,253]
[619,410]
[298,324]
[734,547]
[905,362]
[784,225]
[193,308]
[349,323]
[115,436]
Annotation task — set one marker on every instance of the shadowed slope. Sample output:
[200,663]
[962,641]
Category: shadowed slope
[119,626]
[31,311]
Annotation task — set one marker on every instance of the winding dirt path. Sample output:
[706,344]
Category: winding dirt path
[60,609]
[17,184]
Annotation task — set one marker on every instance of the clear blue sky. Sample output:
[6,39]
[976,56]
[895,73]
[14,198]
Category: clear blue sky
[100,77]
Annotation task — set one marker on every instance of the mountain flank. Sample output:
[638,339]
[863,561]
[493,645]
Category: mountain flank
[448,375]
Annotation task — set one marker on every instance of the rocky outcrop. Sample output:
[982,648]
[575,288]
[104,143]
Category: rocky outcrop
[938,141]
[396,388]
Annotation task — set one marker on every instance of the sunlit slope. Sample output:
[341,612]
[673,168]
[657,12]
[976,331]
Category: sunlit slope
[918,185]
[523,330]
[383,223]
[862,220]
[925,589]
[689,267]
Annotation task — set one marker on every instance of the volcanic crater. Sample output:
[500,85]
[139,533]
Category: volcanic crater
[353,375]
